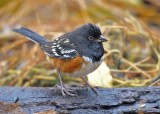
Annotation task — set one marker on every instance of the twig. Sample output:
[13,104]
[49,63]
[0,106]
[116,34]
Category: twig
[135,67]
[126,71]
[154,81]
[142,61]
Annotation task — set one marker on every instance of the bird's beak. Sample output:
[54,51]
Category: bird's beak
[102,39]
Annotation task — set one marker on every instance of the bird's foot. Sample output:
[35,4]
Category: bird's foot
[94,90]
[91,87]
[65,91]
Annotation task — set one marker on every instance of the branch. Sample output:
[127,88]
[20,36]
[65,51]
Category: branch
[21,100]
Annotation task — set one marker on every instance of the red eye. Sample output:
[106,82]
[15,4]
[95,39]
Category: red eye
[90,37]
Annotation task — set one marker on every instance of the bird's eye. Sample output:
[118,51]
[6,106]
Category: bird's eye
[90,37]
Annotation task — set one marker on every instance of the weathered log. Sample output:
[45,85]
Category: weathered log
[21,100]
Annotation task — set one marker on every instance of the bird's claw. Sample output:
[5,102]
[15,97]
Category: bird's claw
[66,91]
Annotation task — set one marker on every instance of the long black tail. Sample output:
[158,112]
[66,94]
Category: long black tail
[30,35]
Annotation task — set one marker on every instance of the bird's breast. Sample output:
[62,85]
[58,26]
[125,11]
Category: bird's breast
[75,67]
[86,69]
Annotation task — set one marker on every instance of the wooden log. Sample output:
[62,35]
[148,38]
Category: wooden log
[22,100]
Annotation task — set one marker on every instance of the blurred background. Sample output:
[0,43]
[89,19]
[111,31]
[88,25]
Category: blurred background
[131,26]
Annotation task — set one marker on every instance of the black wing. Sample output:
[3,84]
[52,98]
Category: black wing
[60,48]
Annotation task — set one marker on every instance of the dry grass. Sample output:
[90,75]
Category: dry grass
[133,50]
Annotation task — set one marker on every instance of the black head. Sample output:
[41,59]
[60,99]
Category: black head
[88,41]
[89,32]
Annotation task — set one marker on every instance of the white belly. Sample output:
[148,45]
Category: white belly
[86,69]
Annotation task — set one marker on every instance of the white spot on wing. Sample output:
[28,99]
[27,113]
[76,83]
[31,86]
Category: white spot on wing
[54,46]
[53,53]
[66,55]
[66,41]
[53,50]
[67,51]
[60,48]
[72,44]
[56,54]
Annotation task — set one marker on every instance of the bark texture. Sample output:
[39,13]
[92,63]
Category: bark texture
[22,100]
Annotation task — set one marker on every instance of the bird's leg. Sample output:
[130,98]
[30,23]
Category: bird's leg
[62,88]
[87,84]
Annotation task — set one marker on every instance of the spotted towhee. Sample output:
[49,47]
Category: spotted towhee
[76,53]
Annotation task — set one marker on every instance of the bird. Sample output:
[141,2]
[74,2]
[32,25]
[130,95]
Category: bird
[76,53]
